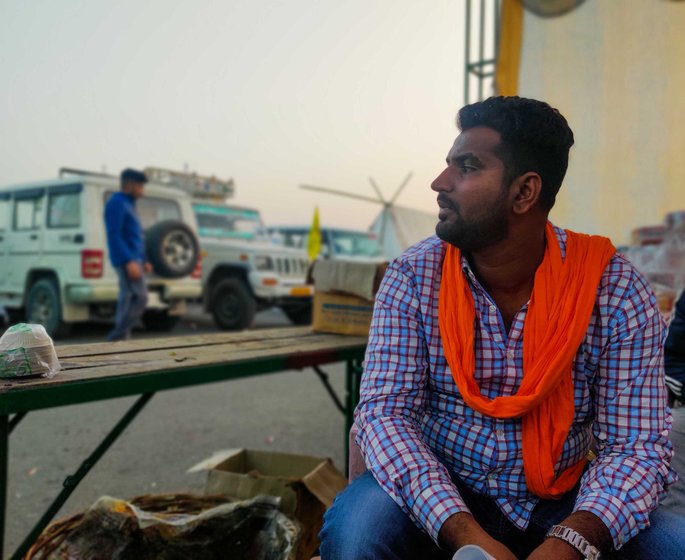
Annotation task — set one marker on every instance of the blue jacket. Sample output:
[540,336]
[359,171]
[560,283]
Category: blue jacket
[124,232]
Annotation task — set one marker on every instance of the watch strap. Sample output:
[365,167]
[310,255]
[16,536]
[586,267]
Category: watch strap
[576,540]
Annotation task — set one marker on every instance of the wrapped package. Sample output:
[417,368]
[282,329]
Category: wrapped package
[27,350]
[115,529]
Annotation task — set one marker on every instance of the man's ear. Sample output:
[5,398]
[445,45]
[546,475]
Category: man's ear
[526,192]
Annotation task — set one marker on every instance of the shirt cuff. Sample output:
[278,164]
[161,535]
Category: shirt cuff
[434,505]
[613,513]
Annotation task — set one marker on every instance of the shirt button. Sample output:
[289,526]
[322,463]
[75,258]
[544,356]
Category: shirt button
[511,354]
[500,433]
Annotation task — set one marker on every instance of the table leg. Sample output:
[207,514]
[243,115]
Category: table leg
[72,481]
[353,376]
[4,459]
[323,377]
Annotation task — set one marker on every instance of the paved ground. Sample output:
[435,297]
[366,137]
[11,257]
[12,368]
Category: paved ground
[289,411]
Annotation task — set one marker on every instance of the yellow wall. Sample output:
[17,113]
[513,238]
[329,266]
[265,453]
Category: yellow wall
[616,70]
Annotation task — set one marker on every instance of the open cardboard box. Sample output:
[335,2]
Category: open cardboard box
[343,295]
[306,485]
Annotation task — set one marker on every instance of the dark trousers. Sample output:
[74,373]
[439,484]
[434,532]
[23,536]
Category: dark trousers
[130,304]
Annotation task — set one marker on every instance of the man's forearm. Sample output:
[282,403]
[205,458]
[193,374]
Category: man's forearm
[459,530]
[587,525]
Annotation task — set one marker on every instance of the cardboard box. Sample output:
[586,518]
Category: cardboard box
[343,296]
[306,485]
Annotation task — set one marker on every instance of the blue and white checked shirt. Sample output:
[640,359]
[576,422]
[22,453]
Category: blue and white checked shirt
[415,430]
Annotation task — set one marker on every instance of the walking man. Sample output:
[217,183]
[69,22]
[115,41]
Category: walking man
[127,253]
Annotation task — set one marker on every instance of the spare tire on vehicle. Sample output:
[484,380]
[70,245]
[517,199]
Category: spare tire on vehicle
[172,249]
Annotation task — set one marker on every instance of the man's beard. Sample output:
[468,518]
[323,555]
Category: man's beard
[489,228]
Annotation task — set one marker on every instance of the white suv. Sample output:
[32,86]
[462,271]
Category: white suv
[53,251]
[244,272]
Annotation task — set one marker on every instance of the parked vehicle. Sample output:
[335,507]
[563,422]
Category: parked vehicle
[336,243]
[244,272]
[55,269]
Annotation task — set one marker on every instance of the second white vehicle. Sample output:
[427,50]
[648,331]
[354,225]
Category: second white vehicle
[243,272]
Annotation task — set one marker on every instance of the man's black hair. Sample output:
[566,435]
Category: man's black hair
[534,137]
[132,176]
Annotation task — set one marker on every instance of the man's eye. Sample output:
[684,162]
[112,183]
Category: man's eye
[466,168]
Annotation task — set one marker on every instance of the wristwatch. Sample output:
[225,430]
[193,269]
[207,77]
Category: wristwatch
[576,540]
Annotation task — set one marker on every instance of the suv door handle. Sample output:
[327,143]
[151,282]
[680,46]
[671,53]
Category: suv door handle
[33,236]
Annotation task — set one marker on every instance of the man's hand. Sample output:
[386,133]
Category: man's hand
[134,270]
[585,523]
[555,548]
[462,529]
[148,267]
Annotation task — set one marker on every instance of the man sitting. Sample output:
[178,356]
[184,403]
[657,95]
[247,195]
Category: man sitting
[513,395]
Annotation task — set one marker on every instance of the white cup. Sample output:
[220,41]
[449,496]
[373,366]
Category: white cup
[471,552]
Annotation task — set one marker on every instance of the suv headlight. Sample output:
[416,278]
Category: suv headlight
[262,262]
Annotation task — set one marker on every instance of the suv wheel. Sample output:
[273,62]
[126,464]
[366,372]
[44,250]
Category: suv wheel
[43,307]
[172,249]
[233,307]
[299,315]
[159,320]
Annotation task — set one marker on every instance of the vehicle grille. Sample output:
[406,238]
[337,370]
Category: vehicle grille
[289,266]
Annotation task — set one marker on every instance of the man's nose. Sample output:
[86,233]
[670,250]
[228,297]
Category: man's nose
[441,182]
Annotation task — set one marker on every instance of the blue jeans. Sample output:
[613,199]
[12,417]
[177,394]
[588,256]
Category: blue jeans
[130,304]
[365,523]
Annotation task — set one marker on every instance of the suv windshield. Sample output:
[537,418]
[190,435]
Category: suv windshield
[344,243]
[227,222]
[355,244]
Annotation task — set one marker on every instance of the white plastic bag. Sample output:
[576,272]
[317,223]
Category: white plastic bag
[27,351]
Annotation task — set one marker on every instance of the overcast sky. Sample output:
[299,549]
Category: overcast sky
[270,93]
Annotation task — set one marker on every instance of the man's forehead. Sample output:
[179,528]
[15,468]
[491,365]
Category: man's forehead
[479,139]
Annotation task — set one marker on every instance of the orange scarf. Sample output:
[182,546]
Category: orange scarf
[559,311]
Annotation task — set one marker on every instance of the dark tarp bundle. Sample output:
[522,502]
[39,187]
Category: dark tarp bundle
[114,529]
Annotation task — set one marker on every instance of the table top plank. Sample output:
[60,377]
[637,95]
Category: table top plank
[189,341]
[99,371]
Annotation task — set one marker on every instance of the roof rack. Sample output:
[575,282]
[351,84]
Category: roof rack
[201,186]
[73,171]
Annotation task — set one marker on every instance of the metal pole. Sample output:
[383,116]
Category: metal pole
[481,48]
[467,53]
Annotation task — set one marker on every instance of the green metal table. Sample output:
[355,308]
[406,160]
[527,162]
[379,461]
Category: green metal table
[97,371]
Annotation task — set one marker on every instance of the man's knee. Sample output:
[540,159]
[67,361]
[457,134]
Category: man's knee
[349,524]
[364,522]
